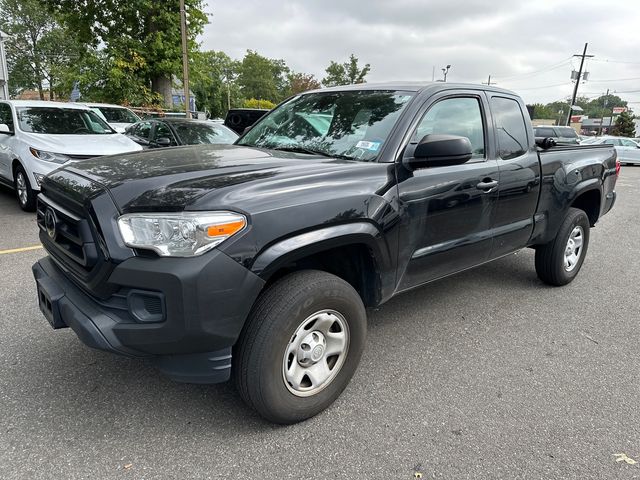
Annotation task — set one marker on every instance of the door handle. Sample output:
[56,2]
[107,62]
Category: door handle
[487,185]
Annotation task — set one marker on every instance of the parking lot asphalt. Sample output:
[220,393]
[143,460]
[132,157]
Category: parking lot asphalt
[487,374]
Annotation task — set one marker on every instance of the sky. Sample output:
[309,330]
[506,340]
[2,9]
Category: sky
[525,45]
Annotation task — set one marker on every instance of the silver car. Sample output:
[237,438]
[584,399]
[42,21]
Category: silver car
[628,151]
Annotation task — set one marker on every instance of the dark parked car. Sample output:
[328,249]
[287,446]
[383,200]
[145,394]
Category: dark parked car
[171,132]
[558,133]
[257,260]
[238,119]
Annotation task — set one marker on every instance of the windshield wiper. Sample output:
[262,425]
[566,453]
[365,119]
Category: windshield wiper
[310,151]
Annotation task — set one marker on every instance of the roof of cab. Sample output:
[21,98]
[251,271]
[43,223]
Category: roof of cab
[413,87]
[45,103]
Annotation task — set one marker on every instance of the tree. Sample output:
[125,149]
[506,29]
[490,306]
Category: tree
[213,81]
[40,50]
[601,106]
[543,111]
[262,78]
[301,82]
[254,103]
[345,73]
[144,33]
[624,126]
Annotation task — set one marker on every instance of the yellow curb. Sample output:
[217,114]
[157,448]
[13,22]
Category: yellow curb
[18,250]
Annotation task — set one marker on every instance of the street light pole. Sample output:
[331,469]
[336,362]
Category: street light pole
[185,59]
[445,71]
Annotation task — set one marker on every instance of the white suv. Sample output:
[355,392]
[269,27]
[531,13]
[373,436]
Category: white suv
[118,117]
[38,137]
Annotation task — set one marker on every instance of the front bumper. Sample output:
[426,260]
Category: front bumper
[204,303]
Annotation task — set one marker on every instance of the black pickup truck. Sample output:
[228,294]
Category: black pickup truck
[257,260]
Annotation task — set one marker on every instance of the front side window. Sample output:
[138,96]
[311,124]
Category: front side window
[348,124]
[143,130]
[5,115]
[510,127]
[612,141]
[163,131]
[628,143]
[61,121]
[460,116]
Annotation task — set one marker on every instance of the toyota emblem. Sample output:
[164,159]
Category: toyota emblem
[50,223]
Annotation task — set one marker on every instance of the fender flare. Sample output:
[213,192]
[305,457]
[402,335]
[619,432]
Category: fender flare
[296,247]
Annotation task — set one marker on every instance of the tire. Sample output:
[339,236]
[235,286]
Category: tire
[551,265]
[24,193]
[266,351]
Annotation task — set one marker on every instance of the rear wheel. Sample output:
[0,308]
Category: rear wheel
[25,194]
[559,261]
[300,347]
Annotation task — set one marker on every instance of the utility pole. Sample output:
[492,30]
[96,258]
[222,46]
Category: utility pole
[606,101]
[575,89]
[185,59]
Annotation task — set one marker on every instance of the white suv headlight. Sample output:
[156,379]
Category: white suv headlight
[49,156]
[184,234]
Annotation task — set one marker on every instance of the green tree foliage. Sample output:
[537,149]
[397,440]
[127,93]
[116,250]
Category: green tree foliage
[543,111]
[40,52]
[345,73]
[142,36]
[214,82]
[255,103]
[263,78]
[301,82]
[624,126]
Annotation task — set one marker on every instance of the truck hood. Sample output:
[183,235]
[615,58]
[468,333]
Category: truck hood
[209,177]
[108,144]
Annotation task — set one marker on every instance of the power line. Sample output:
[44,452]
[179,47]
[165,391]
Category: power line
[615,80]
[548,68]
[543,86]
[607,60]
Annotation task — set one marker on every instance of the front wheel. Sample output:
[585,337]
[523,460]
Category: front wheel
[300,347]
[559,261]
[25,194]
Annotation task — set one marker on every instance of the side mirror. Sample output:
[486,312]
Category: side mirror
[4,128]
[163,142]
[246,129]
[440,151]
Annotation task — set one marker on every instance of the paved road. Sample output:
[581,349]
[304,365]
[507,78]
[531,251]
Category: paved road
[488,374]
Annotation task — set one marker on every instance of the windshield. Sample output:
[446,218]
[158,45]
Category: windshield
[61,121]
[350,124]
[117,115]
[196,133]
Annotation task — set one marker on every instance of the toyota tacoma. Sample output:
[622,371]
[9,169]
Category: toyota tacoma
[258,260]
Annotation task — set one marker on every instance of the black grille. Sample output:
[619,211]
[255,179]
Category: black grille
[67,237]
[80,157]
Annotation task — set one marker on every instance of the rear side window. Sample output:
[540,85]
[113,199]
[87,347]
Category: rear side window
[5,115]
[510,127]
[567,132]
[544,132]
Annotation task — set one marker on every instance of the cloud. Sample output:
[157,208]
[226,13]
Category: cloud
[525,45]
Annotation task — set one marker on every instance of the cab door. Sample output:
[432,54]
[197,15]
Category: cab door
[519,165]
[448,210]
[6,140]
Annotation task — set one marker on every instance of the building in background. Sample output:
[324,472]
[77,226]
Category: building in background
[4,74]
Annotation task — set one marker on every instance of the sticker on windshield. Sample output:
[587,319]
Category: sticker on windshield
[372,146]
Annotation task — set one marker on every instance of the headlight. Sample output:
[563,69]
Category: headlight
[49,156]
[185,234]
